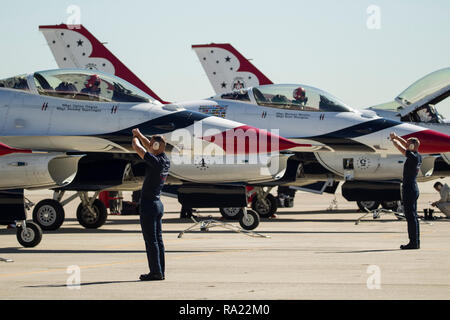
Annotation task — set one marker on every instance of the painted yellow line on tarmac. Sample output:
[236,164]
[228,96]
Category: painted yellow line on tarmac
[142,242]
[115,263]
[64,269]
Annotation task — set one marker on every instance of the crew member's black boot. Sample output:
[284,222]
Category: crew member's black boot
[151,277]
[410,246]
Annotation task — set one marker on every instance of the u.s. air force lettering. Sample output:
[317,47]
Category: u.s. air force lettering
[78,107]
[289,115]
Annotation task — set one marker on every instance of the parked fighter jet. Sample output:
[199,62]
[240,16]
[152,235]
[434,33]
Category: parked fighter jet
[71,130]
[228,70]
[307,115]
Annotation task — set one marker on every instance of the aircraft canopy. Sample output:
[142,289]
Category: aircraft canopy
[431,89]
[289,96]
[87,85]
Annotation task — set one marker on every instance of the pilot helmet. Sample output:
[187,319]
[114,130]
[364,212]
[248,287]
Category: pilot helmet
[92,81]
[299,94]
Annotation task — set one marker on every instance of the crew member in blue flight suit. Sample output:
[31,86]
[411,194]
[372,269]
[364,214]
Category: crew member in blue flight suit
[151,207]
[410,190]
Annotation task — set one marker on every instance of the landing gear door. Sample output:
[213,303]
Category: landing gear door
[12,206]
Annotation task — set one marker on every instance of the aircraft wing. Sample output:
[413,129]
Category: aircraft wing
[63,143]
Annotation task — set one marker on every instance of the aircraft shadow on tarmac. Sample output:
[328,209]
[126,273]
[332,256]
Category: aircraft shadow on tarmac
[133,220]
[82,284]
[14,250]
[67,228]
[81,230]
[361,251]
[215,215]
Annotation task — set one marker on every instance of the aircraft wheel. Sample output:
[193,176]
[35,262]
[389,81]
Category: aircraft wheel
[250,222]
[48,214]
[390,205]
[370,205]
[30,236]
[265,207]
[231,213]
[89,220]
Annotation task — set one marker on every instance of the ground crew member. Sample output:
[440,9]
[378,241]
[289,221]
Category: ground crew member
[151,208]
[444,203]
[410,190]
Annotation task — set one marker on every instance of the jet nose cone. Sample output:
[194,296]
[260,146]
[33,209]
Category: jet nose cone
[431,141]
[248,140]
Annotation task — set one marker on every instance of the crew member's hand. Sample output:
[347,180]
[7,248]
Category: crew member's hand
[392,136]
[433,204]
[135,132]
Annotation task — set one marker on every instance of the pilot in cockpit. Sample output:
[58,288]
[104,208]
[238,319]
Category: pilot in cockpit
[68,87]
[300,96]
[92,86]
[427,114]
[21,84]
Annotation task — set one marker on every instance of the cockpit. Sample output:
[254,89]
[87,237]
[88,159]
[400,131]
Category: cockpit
[289,96]
[78,85]
[18,83]
[87,85]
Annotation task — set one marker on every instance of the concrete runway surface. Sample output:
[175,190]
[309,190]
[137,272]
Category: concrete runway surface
[312,253]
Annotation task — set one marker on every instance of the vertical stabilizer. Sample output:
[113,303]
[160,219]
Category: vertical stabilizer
[73,46]
[227,69]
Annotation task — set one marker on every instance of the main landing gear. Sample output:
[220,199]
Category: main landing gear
[373,205]
[91,212]
[248,220]
[263,202]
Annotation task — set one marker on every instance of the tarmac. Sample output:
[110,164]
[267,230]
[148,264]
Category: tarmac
[312,253]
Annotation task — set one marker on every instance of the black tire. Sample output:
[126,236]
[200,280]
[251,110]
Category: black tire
[265,207]
[390,205]
[88,220]
[49,214]
[31,236]
[370,205]
[232,213]
[252,221]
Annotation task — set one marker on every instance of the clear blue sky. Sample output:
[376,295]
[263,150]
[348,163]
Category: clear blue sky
[321,43]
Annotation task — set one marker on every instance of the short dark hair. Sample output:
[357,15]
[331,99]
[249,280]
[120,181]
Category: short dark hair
[437,184]
[159,139]
[415,141]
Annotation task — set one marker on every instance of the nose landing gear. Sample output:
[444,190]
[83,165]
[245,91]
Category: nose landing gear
[91,213]
[28,234]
